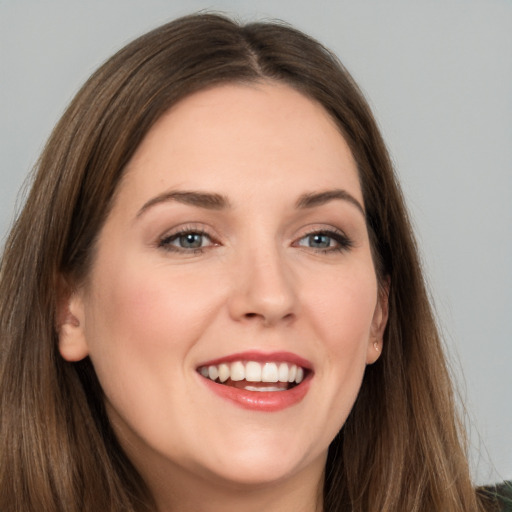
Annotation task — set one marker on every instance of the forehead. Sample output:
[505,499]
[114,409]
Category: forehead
[261,136]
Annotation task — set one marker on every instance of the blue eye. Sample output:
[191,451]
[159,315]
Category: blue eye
[318,241]
[325,241]
[190,241]
[186,241]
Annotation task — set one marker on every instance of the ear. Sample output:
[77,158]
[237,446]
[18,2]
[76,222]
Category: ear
[70,322]
[379,322]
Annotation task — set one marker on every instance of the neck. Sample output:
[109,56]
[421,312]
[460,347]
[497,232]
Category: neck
[179,490]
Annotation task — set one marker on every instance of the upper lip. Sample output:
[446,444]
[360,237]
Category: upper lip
[261,357]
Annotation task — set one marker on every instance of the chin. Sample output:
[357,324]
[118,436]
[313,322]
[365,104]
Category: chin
[255,474]
[257,468]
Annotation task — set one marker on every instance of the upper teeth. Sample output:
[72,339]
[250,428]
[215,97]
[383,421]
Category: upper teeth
[254,371]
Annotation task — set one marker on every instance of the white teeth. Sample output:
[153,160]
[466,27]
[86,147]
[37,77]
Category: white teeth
[253,371]
[237,371]
[263,388]
[223,372]
[283,372]
[269,373]
[213,373]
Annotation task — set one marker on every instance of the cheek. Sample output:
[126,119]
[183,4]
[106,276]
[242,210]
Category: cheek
[141,326]
[143,323]
[342,317]
[146,308]
[343,309]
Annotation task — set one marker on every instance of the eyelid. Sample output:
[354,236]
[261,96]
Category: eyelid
[164,241]
[344,242]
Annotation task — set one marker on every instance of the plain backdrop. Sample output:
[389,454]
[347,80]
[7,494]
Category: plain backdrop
[438,74]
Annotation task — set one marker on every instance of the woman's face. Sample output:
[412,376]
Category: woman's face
[236,251]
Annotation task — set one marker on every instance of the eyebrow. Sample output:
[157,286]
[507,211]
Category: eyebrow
[200,199]
[212,201]
[312,200]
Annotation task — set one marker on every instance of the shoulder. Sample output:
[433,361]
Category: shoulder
[504,492]
[498,497]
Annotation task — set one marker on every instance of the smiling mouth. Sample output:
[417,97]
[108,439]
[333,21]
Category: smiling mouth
[255,376]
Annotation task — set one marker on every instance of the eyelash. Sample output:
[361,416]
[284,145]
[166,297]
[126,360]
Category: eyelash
[166,242]
[343,242]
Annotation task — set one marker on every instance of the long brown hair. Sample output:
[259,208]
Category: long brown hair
[400,448]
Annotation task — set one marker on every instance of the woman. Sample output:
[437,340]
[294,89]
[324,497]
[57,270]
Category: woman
[212,297]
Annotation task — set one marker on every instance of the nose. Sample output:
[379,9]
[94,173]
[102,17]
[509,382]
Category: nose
[264,289]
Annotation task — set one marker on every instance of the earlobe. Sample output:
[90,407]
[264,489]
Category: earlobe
[70,323]
[379,322]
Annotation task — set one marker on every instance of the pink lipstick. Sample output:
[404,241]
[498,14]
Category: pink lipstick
[258,381]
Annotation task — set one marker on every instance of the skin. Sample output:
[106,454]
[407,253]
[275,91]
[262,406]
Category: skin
[148,316]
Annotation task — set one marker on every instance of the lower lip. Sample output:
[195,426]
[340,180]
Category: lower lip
[265,401]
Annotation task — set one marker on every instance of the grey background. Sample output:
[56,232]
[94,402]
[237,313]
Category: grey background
[438,75]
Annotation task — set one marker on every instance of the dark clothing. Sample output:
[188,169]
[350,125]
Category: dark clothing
[498,496]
